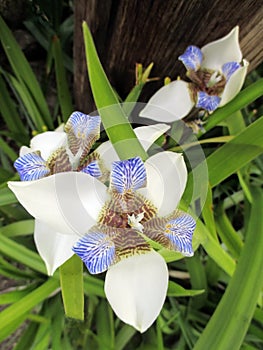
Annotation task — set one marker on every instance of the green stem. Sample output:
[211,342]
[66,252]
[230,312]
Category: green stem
[71,281]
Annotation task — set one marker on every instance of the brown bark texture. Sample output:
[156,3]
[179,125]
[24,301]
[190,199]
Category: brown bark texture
[127,32]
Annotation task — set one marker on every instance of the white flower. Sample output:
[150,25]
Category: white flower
[59,151]
[217,73]
[113,222]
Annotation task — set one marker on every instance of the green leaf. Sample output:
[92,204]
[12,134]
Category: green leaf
[16,313]
[227,233]
[9,113]
[244,98]
[7,197]
[228,159]
[8,150]
[19,228]
[175,290]
[64,96]
[24,72]
[71,280]
[105,326]
[113,117]
[22,254]
[229,323]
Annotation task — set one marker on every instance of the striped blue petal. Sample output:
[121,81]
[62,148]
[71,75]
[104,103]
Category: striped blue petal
[92,169]
[128,175]
[180,230]
[31,166]
[96,250]
[82,131]
[192,58]
[207,102]
[229,68]
[83,124]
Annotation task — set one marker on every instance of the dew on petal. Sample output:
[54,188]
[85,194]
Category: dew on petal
[192,58]
[128,175]
[207,102]
[229,68]
[31,166]
[97,251]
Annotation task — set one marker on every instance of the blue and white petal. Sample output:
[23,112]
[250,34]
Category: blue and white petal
[83,130]
[207,102]
[96,250]
[192,58]
[180,230]
[92,169]
[128,175]
[229,68]
[83,124]
[48,142]
[234,84]
[166,181]
[31,166]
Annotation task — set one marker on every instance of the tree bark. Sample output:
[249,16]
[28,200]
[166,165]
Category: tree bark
[127,32]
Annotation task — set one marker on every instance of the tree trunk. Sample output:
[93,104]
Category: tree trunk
[127,32]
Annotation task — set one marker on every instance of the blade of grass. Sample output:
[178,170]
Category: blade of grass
[229,323]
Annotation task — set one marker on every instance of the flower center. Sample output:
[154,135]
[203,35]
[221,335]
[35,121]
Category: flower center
[134,221]
[212,83]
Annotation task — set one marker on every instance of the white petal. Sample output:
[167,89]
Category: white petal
[147,135]
[53,247]
[107,153]
[136,289]
[234,84]
[48,142]
[221,51]
[25,150]
[172,102]
[68,202]
[166,180]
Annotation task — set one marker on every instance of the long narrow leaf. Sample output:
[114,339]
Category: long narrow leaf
[64,96]
[71,280]
[24,72]
[245,97]
[113,118]
[19,309]
[228,325]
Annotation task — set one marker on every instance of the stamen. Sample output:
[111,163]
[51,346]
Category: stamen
[214,79]
[134,221]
